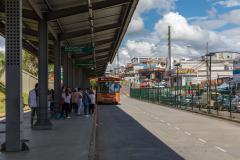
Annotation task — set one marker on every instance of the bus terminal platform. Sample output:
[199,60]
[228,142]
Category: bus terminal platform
[69,139]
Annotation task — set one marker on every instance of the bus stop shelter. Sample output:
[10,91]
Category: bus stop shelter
[79,36]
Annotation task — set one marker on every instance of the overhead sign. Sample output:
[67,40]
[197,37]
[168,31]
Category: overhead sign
[84,63]
[79,49]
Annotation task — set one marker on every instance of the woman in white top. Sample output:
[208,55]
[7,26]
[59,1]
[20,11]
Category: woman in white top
[66,96]
[92,102]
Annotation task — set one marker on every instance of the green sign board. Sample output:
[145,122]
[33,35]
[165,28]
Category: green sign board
[79,49]
[84,63]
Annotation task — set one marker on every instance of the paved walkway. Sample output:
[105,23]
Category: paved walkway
[69,139]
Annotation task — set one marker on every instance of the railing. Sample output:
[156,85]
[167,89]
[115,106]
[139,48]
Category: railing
[222,104]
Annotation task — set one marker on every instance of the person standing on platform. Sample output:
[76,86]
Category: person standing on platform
[66,96]
[75,98]
[33,103]
[86,100]
[92,102]
[79,101]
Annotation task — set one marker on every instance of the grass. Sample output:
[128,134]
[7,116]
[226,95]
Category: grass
[2,102]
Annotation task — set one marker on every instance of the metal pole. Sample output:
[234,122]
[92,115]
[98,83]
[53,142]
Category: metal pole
[210,78]
[65,69]
[207,69]
[169,49]
[177,86]
[43,121]
[57,76]
[13,34]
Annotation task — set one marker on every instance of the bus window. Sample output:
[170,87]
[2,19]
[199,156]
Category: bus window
[117,87]
[103,87]
[111,88]
[108,87]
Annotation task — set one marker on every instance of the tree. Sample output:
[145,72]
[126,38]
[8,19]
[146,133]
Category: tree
[2,63]
[30,63]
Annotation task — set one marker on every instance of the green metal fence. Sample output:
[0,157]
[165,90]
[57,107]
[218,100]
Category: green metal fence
[192,98]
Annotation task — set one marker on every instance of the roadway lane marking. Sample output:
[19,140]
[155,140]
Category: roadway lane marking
[162,120]
[156,117]
[219,148]
[202,140]
[168,124]
[187,133]
[177,128]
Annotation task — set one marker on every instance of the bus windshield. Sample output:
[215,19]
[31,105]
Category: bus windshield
[108,87]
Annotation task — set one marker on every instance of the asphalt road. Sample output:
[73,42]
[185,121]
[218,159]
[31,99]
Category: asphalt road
[137,130]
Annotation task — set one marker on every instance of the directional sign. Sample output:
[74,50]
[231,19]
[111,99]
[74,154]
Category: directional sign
[84,63]
[79,49]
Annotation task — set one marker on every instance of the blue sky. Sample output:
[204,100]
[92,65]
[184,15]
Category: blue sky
[193,22]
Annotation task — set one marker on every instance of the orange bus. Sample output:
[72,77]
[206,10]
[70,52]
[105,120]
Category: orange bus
[108,90]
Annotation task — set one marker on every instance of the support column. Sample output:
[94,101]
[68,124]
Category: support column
[57,75]
[85,80]
[70,67]
[43,121]
[77,77]
[14,134]
[80,78]
[65,69]
[74,76]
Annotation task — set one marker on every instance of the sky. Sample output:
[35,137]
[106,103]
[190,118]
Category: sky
[193,24]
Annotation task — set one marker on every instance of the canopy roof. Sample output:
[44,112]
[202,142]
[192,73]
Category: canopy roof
[91,30]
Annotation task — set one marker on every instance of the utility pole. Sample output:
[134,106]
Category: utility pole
[208,83]
[118,66]
[169,48]
[169,54]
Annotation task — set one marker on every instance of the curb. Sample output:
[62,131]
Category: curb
[92,147]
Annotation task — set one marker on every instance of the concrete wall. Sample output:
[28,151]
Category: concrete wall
[28,81]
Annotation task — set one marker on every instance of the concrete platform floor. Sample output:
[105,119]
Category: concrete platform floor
[69,139]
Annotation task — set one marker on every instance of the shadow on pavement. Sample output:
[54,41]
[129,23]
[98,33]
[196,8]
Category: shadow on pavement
[120,137]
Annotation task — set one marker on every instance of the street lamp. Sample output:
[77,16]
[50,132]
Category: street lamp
[177,65]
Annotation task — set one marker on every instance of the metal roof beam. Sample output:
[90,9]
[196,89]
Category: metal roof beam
[84,32]
[90,56]
[29,14]
[37,10]
[100,42]
[83,9]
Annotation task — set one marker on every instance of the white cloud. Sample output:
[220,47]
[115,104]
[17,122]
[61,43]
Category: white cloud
[181,29]
[210,24]
[141,48]
[212,13]
[2,44]
[229,3]
[231,17]
[160,5]
[183,34]
[137,23]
